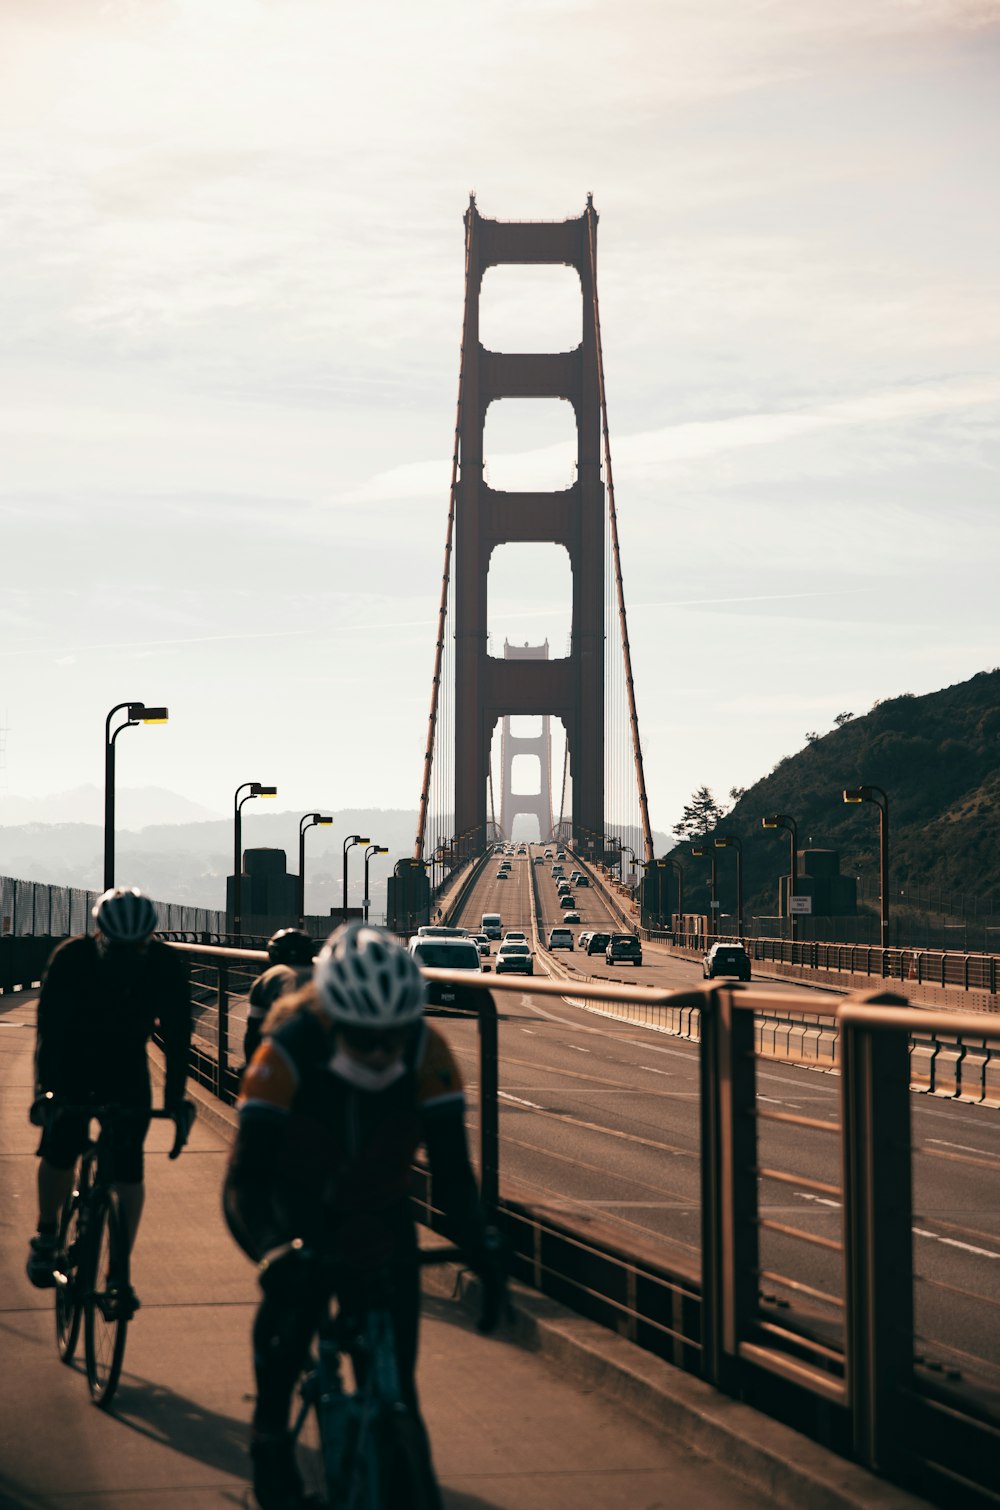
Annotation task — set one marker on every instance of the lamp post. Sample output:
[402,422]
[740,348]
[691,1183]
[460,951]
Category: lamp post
[349,844]
[729,841]
[699,851]
[782,820]
[137,713]
[631,851]
[252,789]
[373,849]
[308,820]
[875,794]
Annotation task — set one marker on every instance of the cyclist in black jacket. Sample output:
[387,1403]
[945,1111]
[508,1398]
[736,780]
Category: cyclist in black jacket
[332,1109]
[101,999]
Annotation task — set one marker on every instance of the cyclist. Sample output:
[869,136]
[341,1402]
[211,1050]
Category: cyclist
[332,1108]
[102,996]
[290,952]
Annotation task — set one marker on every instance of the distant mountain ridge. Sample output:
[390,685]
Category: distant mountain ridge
[938,759]
[135,808]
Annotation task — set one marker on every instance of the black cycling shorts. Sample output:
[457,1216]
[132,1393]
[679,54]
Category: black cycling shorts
[67,1135]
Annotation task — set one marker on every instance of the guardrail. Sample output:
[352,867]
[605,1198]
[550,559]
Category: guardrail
[840,1359]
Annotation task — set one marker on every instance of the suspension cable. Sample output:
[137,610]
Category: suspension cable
[647,835]
[562,797]
[418,849]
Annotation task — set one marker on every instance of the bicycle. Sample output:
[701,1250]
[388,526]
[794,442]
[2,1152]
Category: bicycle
[92,1270]
[374,1450]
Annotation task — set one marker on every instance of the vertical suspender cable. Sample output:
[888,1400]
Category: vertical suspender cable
[647,835]
[562,798]
[418,850]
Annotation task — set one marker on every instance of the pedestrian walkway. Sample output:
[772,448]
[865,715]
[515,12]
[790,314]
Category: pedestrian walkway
[508,1432]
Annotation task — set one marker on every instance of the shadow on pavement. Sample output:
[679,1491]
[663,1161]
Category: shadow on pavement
[161,1415]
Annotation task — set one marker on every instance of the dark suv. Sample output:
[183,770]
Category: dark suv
[597,943]
[726,959]
[623,948]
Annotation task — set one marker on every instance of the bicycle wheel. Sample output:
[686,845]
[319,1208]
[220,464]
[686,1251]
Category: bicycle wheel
[106,1319]
[405,1475]
[69,1299]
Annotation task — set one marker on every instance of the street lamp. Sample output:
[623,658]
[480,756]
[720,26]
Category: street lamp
[875,794]
[349,843]
[373,849]
[729,841]
[308,820]
[621,861]
[782,820]
[137,713]
[699,851]
[252,789]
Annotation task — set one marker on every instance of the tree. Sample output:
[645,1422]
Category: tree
[736,792]
[701,815]
[842,719]
[812,736]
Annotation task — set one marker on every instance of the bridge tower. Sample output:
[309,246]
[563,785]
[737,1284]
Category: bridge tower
[488,688]
[512,803]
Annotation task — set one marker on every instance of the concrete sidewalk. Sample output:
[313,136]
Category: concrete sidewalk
[510,1431]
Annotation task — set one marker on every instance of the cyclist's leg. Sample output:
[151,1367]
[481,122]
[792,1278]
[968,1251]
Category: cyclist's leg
[405,1309]
[286,1323]
[130,1131]
[62,1142]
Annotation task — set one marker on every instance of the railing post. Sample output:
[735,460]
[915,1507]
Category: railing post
[728,1184]
[489,1105]
[878,1237]
[222,1060]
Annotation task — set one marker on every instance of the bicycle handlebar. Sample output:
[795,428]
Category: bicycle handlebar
[182,1115]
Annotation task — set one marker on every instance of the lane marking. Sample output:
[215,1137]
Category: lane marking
[578,1048]
[952,1242]
[986,1153]
[948,1242]
[652,1070]
[506,1096]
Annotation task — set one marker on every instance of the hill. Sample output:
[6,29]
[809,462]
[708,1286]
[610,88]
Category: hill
[938,760]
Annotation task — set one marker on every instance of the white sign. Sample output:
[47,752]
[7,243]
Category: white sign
[800,904]
[716,904]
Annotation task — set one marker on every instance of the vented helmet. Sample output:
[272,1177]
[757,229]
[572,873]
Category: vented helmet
[290,946]
[124,915]
[365,979]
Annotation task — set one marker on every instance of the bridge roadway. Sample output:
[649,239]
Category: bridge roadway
[509,1431]
[599,1120]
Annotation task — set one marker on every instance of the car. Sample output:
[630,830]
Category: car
[536,859]
[501,875]
[548,854]
[491,925]
[597,942]
[560,938]
[582,880]
[483,943]
[623,948]
[583,939]
[515,936]
[558,873]
[571,917]
[439,931]
[560,854]
[726,959]
[442,953]
[514,958]
[574,876]
[505,865]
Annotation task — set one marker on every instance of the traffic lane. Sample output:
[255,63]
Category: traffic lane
[510,898]
[620,1134]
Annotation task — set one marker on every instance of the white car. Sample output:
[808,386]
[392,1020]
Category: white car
[514,957]
[514,936]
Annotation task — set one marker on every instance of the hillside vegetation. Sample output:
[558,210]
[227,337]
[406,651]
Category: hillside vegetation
[938,759]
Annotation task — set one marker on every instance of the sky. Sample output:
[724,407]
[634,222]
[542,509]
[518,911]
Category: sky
[231,264]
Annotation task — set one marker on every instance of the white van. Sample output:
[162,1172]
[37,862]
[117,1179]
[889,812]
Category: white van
[491,925]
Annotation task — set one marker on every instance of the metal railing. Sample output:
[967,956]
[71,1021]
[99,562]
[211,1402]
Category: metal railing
[826,1341]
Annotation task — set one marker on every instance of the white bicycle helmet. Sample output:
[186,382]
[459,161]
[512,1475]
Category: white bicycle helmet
[124,915]
[364,979]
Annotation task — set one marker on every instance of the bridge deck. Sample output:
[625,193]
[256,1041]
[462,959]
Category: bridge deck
[507,1431]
